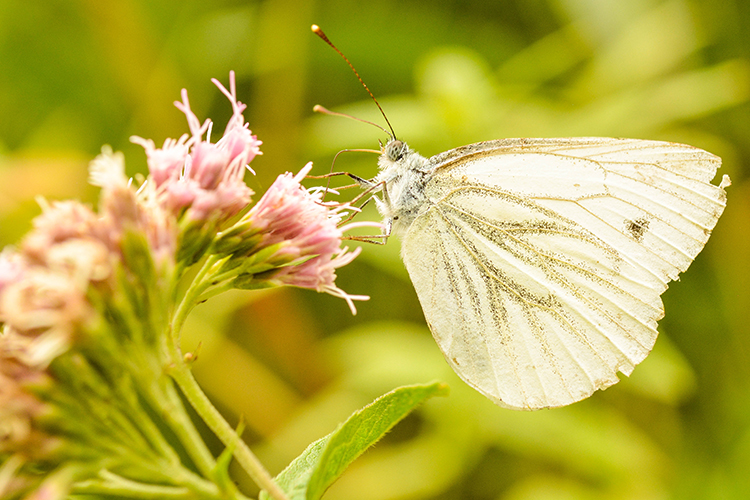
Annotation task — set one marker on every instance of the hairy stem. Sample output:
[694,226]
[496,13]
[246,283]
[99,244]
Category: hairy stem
[226,434]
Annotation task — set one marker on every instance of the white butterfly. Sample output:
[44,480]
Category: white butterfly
[539,263]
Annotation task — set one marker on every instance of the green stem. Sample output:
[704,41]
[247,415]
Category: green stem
[107,412]
[189,300]
[182,375]
[151,431]
[112,484]
[226,275]
[226,434]
[216,290]
[173,412]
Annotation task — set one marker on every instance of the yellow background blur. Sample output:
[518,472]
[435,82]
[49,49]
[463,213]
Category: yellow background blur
[76,74]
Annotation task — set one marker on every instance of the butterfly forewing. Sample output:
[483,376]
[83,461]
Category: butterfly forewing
[539,263]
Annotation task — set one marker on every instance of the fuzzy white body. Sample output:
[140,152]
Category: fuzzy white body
[403,175]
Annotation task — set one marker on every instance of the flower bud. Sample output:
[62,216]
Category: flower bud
[306,233]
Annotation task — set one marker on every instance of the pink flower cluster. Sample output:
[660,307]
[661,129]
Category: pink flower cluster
[122,209]
[309,234]
[43,287]
[87,299]
[195,176]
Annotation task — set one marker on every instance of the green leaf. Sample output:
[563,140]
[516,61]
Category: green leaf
[221,470]
[310,474]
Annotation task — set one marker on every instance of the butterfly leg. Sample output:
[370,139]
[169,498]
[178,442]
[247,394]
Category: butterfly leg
[370,189]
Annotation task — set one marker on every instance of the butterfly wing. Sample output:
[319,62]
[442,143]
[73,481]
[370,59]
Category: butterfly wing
[539,263]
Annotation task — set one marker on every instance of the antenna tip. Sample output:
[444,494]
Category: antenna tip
[320,109]
[316,29]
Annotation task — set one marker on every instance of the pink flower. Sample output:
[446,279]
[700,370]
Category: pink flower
[209,162]
[58,222]
[200,178]
[42,313]
[165,164]
[122,209]
[107,170]
[308,233]
[12,268]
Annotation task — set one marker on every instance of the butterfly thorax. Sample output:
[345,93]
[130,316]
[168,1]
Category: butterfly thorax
[403,176]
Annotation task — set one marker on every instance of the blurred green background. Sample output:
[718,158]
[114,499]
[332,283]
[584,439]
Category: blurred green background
[76,74]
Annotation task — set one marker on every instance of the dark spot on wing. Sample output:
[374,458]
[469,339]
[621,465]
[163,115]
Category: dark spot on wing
[637,228]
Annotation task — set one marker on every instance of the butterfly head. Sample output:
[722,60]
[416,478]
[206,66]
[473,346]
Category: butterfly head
[394,150]
[398,159]
[394,156]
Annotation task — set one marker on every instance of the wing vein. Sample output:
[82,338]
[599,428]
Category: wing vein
[585,271]
[563,282]
[551,310]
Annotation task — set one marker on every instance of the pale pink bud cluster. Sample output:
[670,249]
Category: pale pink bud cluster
[43,307]
[199,178]
[122,210]
[59,222]
[43,287]
[308,232]
[11,268]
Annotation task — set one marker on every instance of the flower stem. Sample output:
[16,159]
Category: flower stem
[226,434]
[182,375]
[112,484]
[174,414]
[189,300]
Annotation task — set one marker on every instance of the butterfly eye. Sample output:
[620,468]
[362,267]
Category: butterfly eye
[395,149]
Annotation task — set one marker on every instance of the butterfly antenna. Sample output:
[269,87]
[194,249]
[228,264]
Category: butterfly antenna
[316,29]
[320,109]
